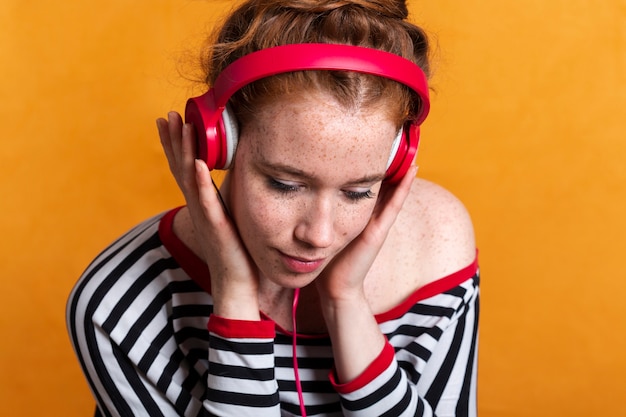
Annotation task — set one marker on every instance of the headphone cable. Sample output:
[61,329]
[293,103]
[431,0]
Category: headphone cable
[219,195]
[296,296]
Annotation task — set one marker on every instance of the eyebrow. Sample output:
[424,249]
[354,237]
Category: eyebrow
[296,172]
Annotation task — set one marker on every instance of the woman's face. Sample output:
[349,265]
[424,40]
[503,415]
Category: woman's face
[305,182]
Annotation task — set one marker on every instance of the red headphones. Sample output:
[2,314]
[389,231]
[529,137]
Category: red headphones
[216,127]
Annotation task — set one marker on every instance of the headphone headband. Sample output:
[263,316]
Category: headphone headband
[320,56]
[217,131]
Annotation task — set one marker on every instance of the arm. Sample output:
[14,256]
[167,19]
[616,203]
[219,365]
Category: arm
[346,310]
[241,377]
[234,282]
[370,378]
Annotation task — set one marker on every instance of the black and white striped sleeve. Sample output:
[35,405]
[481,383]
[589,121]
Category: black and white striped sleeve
[241,379]
[121,330]
[427,368]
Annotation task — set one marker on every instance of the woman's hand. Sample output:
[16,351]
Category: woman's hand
[343,278]
[234,282]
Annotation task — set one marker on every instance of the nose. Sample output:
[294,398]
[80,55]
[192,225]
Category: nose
[316,225]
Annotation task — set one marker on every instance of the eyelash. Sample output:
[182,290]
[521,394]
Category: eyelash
[282,187]
[356,196]
[287,189]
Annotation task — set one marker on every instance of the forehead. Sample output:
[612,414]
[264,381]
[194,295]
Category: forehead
[317,119]
[315,133]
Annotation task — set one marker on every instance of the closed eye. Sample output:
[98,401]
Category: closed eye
[291,187]
[359,195]
[283,186]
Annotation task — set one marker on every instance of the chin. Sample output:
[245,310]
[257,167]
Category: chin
[292,280]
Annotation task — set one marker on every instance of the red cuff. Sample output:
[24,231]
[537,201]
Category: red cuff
[237,329]
[377,367]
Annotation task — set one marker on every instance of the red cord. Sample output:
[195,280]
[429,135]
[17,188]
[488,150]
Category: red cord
[296,295]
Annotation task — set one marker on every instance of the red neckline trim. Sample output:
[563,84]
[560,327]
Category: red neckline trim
[431,289]
[193,266]
[197,269]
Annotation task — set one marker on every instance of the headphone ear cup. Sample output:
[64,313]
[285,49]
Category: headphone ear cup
[217,133]
[405,152]
[395,146]
[202,113]
[230,138]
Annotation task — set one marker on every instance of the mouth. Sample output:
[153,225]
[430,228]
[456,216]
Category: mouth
[301,265]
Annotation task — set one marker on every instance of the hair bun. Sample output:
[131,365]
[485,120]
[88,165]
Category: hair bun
[395,9]
[391,8]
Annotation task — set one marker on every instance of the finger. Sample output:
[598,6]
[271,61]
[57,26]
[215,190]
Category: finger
[388,207]
[175,125]
[181,140]
[188,147]
[393,196]
[209,202]
[166,143]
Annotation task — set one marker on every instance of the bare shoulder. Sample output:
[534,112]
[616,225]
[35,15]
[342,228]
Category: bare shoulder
[444,228]
[432,238]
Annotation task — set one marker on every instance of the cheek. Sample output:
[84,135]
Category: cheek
[258,215]
[354,219]
[355,216]
[269,219]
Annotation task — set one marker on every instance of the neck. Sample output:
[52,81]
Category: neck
[277,303]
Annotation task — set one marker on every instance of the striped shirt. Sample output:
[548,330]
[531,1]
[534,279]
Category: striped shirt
[140,320]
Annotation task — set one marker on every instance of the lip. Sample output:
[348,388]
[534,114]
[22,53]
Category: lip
[301,265]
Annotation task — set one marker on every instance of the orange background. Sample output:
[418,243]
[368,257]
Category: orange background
[527,127]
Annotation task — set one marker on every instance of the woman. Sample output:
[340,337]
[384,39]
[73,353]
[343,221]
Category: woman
[319,279]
